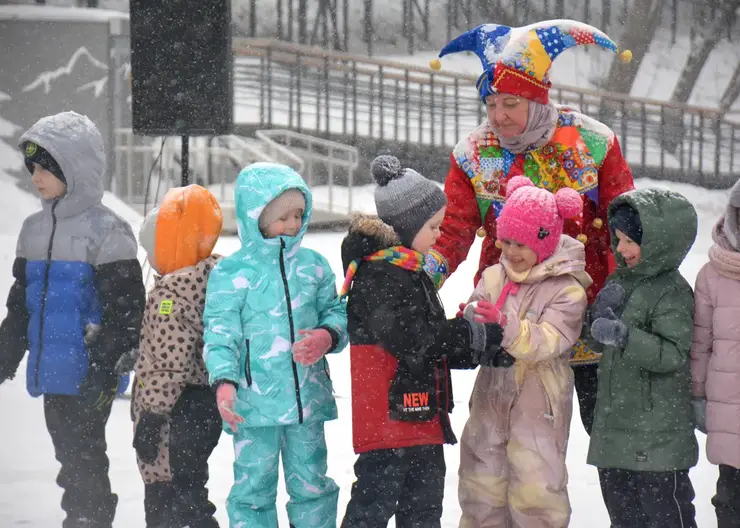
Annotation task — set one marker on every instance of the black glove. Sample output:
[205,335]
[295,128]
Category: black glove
[6,372]
[99,388]
[485,340]
[611,297]
[147,436]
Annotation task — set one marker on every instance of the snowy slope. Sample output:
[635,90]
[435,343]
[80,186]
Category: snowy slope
[29,496]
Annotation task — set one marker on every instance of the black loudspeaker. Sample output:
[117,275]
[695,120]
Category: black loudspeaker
[181,67]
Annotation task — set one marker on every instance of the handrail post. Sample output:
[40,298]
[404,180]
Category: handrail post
[331,180]
[717,144]
[431,109]
[381,97]
[269,85]
[299,104]
[661,134]
[643,133]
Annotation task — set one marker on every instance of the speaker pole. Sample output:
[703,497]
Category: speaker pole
[184,160]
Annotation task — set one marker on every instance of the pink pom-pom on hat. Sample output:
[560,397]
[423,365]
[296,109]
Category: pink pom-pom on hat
[534,217]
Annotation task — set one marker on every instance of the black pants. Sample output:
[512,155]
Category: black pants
[586,381]
[78,434]
[195,428]
[727,500]
[405,482]
[648,499]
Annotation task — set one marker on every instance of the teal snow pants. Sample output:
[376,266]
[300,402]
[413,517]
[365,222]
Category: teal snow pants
[313,495]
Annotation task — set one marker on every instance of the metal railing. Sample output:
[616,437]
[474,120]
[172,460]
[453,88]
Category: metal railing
[311,90]
[322,156]
[146,167]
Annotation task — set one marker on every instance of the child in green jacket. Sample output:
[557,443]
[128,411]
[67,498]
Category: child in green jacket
[643,437]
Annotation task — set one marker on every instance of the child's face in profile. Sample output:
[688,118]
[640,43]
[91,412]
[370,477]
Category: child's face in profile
[47,185]
[519,256]
[289,224]
[628,248]
[428,235]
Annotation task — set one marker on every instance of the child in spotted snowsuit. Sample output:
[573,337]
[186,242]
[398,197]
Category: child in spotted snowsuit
[512,459]
[177,424]
[272,313]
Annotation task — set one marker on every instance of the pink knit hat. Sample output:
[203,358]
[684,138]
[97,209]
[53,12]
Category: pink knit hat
[534,217]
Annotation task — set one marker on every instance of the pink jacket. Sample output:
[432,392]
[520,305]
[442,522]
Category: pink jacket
[545,316]
[715,353]
[512,458]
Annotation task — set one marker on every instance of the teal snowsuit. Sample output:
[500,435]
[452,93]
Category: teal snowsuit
[257,300]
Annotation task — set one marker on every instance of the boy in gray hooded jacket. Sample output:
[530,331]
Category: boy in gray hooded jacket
[76,306]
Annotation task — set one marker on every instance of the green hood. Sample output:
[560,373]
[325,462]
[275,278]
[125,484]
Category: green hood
[669,227]
[256,186]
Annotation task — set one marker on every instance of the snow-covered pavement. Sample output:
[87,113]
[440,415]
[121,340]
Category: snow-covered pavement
[30,497]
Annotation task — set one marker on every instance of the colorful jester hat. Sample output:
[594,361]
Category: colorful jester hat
[517,60]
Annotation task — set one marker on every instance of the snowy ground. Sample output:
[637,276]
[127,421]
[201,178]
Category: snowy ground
[30,497]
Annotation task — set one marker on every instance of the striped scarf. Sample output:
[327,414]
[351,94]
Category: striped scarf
[400,256]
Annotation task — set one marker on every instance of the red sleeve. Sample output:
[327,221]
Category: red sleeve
[461,221]
[615,178]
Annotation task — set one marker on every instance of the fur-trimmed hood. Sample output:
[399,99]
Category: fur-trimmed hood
[367,235]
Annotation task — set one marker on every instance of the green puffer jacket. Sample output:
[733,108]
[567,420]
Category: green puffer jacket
[643,416]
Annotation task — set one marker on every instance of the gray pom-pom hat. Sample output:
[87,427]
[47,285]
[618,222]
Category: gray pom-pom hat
[404,199]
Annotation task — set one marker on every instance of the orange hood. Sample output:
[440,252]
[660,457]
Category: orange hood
[183,230]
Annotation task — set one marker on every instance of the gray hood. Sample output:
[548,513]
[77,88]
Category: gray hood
[77,146]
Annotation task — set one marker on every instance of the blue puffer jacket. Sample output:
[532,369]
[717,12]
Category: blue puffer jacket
[257,300]
[75,267]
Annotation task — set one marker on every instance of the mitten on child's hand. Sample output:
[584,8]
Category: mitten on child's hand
[92,331]
[611,297]
[700,414]
[147,436]
[225,398]
[610,330]
[485,340]
[100,387]
[126,362]
[484,312]
[312,347]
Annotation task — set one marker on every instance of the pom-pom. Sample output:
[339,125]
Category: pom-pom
[569,202]
[582,239]
[498,244]
[386,168]
[435,64]
[625,56]
[517,182]
[598,223]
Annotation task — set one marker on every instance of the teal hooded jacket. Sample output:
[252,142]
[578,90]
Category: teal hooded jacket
[256,302]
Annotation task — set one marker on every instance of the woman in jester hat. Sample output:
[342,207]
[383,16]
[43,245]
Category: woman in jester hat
[526,134]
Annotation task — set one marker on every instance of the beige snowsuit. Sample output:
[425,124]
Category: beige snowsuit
[512,460]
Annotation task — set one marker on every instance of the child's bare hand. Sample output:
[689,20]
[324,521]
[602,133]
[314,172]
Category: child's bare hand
[225,398]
